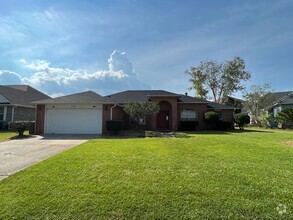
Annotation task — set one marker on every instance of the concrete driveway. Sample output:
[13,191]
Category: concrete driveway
[16,155]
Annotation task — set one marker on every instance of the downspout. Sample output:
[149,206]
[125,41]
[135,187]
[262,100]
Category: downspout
[12,114]
[111,112]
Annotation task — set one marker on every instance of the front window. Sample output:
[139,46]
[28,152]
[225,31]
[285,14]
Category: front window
[188,115]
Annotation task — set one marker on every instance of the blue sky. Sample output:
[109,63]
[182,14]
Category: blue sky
[62,47]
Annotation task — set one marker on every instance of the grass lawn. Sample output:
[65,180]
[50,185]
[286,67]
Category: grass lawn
[210,175]
[6,135]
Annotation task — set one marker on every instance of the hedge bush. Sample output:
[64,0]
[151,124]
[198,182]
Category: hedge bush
[188,125]
[212,117]
[20,126]
[241,119]
[114,126]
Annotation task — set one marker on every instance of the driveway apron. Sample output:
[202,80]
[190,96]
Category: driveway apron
[16,155]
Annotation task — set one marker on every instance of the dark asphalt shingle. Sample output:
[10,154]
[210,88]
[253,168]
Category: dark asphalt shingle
[21,94]
[77,98]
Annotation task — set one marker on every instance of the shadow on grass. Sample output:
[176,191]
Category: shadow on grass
[17,137]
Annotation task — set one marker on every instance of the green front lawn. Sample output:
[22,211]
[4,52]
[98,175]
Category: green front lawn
[210,175]
[6,135]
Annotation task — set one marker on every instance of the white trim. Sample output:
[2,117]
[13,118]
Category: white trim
[5,113]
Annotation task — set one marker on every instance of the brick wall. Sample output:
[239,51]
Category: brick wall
[40,119]
[24,114]
[200,110]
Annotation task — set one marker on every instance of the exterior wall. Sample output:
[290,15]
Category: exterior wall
[200,110]
[20,114]
[227,115]
[40,119]
[24,114]
[119,115]
[151,122]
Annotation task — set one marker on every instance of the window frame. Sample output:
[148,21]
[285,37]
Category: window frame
[188,113]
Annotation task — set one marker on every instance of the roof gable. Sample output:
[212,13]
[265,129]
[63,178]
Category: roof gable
[82,98]
[21,94]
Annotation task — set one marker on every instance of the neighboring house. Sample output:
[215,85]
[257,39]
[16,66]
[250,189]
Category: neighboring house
[88,112]
[282,100]
[15,102]
[234,102]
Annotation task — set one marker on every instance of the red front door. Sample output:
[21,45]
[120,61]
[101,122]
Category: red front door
[163,120]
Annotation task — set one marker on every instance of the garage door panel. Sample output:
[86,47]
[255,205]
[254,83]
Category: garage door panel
[73,121]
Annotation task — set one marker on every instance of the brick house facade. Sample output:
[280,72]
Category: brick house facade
[175,111]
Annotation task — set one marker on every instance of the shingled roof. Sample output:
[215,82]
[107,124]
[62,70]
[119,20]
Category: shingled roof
[146,95]
[88,97]
[282,98]
[21,95]
[214,105]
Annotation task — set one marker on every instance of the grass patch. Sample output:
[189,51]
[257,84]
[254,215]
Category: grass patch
[210,175]
[7,135]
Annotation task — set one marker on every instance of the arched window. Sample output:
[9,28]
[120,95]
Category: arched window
[188,115]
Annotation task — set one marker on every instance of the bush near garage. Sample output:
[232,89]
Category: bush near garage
[114,126]
[20,126]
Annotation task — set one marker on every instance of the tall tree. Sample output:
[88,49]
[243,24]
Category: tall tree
[257,100]
[221,79]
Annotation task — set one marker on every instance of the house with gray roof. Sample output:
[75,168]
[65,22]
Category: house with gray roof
[282,100]
[15,103]
[88,112]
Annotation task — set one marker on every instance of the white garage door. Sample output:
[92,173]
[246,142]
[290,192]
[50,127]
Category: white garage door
[73,121]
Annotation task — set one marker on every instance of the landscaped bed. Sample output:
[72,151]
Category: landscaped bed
[210,175]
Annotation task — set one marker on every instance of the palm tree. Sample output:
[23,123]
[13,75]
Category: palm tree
[286,117]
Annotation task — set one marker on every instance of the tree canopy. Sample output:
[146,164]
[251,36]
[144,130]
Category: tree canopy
[257,100]
[218,79]
[139,110]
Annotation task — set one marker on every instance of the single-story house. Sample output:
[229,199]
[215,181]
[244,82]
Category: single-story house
[88,112]
[15,103]
[282,100]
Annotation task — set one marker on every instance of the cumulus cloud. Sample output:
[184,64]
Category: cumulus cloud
[119,76]
[9,77]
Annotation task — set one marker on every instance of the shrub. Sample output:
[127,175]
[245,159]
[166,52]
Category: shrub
[20,126]
[241,119]
[224,125]
[114,126]
[286,118]
[212,118]
[31,127]
[153,134]
[187,125]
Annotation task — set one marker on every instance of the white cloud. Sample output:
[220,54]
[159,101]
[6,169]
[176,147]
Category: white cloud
[9,77]
[54,81]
